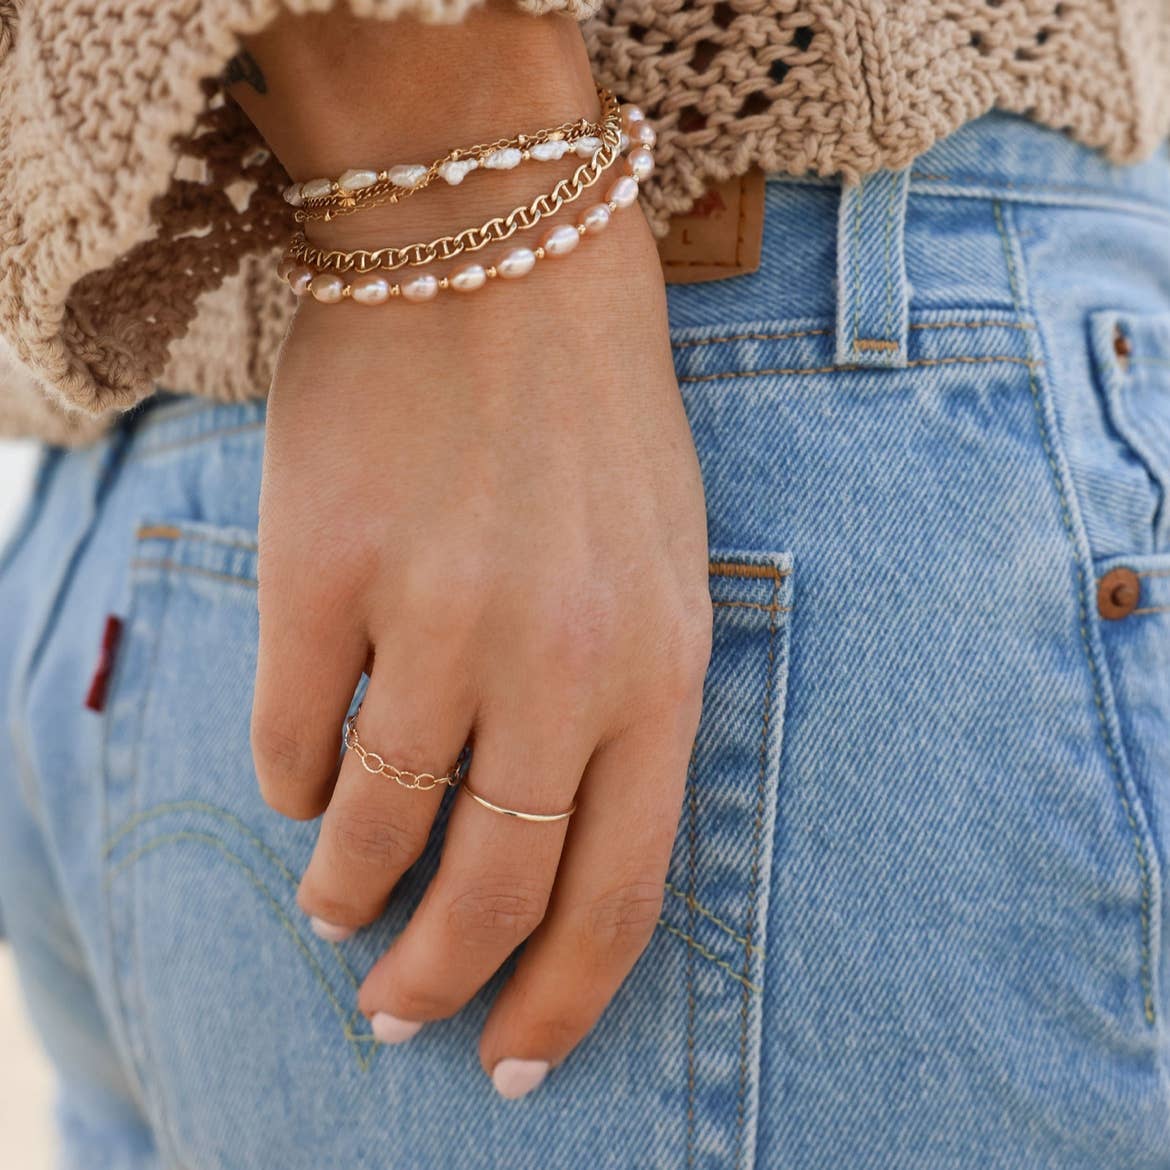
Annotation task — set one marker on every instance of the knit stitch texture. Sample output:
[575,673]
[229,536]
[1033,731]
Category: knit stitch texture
[140,214]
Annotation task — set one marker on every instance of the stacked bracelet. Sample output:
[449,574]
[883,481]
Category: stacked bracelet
[322,274]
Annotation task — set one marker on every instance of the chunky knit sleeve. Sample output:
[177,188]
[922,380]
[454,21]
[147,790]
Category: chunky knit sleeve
[129,189]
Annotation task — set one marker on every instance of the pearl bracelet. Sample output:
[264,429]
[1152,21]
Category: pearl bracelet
[367,187]
[375,288]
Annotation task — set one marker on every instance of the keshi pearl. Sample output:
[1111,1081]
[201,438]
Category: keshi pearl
[632,115]
[624,192]
[356,180]
[298,279]
[561,240]
[468,278]
[292,195]
[518,262]
[549,151]
[640,162]
[409,175]
[595,219]
[588,146]
[371,289]
[455,172]
[327,287]
[643,134]
[316,188]
[504,159]
[420,288]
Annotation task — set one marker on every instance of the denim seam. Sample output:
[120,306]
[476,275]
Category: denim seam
[888,273]
[950,361]
[223,814]
[757,336]
[1153,609]
[694,904]
[754,888]
[751,605]
[134,940]
[854,291]
[1146,974]
[195,570]
[1154,573]
[174,532]
[724,966]
[364,1061]
[194,440]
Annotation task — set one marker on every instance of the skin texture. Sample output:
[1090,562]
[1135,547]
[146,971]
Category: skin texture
[492,503]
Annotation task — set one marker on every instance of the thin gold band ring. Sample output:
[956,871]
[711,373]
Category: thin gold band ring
[540,818]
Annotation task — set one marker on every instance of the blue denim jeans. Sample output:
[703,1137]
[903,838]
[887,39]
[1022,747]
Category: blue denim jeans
[915,916]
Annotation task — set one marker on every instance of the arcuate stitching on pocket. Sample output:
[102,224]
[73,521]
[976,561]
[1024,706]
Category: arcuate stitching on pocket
[230,818]
[174,532]
[193,570]
[1083,588]
[363,1045]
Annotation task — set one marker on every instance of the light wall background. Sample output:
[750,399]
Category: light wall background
[26,1083]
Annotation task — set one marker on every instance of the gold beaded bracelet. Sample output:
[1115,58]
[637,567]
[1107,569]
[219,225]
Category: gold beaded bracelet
[359,188]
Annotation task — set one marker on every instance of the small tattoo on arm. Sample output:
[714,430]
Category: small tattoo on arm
[242,68]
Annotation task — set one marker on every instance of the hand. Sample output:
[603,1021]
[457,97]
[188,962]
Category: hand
[493,502]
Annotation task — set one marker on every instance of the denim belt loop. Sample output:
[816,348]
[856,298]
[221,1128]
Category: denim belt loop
[872,293]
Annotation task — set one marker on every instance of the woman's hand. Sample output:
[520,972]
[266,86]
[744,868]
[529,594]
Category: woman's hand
[492,502]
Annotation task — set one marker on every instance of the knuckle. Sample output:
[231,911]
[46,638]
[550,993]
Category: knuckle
[497,913]
[687,651]
[623,918]
[373,839]
[286,771]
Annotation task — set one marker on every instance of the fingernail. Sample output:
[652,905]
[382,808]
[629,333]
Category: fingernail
[390,1029]
[513,1078]
[329,931]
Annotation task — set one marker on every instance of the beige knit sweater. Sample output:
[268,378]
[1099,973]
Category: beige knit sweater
[138,217]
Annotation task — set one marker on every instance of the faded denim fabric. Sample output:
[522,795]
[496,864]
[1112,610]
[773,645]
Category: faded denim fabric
[915,917]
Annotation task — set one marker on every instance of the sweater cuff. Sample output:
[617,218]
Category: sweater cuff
[129,186]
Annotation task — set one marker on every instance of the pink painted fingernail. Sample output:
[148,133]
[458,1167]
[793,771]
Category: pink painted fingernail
[390,1029]
[329,931]
[513,1078]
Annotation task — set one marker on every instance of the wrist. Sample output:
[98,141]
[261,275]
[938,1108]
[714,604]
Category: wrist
[343,92]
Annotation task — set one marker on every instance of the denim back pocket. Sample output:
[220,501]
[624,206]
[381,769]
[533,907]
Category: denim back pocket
[244,1026]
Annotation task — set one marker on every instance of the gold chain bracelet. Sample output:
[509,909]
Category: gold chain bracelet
[470,239]
[379,187]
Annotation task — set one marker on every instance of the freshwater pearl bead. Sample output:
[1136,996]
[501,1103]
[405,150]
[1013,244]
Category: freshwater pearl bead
[408,175]
[468,278]
[624,192]
[371,289]
[588,146]
[420,288]
[286,265]
[327,287]
[455,172]
[640,163]
[350,181]
[549,151]
[504,159]
[316,188]
[632,115]
[595,219]
[292,194]
[560,240]
[298,279]
[643,134]
[518,262]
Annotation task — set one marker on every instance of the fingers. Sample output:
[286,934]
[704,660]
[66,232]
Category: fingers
[605,907]
[375,827]
[492,885]
[308,666]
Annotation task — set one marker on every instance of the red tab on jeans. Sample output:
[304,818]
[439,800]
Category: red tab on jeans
[95,697]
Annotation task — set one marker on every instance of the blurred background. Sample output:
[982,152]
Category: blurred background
[26,1084]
